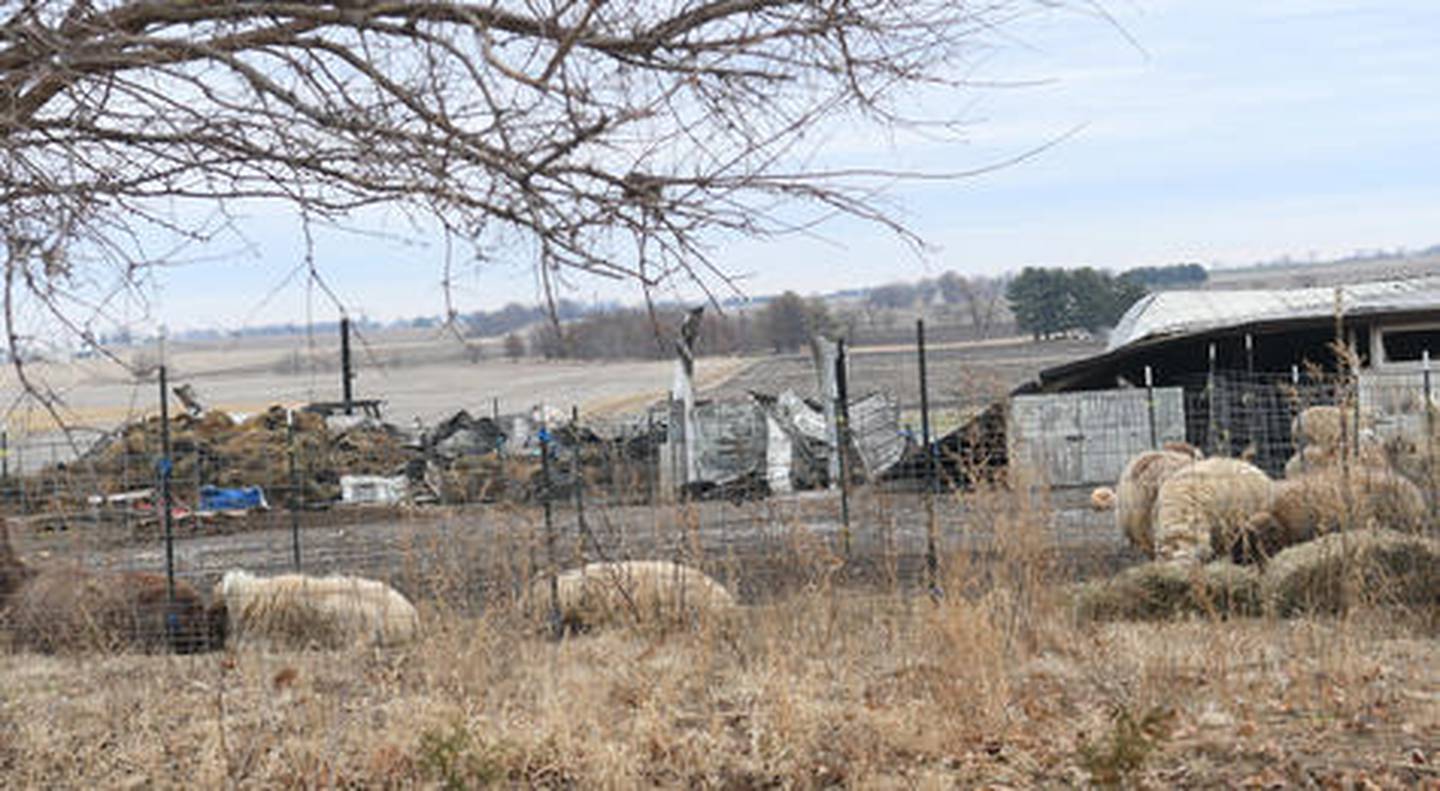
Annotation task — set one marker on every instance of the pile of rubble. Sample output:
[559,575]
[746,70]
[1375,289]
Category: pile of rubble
[336,458]
[214,449]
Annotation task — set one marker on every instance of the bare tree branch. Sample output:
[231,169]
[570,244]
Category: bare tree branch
[614,139]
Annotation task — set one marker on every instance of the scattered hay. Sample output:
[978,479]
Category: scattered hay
[1161,590]
[1334,572]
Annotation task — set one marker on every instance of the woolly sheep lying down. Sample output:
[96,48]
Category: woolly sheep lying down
[299,611]
[1205,503]
[1320,502]
[632,591]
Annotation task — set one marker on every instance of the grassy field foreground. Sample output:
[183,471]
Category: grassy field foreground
[820,690]
[999,684]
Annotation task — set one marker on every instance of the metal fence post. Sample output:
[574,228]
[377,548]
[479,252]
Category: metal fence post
[842,441]
[165,470]
[545,485]
[1429,434]
[652,457]
[576,470]
[1247,397]
[932,549]
[1296,409]
[1211,429]
[1150,407]
[295,490]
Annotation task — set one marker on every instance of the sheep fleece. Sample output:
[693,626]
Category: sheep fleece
[1316,503]
[296,611]
[1136,491]
[1210,496]
[603,593]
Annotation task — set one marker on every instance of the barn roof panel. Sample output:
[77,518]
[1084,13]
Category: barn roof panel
[1176,313]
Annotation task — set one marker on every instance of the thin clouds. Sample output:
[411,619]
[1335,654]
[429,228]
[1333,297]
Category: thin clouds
[1242,130]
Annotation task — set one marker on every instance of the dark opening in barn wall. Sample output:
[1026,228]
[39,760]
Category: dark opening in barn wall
[1410,345]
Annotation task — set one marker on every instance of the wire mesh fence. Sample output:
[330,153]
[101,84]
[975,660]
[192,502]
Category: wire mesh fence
[465,520]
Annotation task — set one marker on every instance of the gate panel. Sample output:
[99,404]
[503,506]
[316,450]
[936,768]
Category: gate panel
[1085,438]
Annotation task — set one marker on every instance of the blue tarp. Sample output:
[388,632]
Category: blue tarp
[214,498]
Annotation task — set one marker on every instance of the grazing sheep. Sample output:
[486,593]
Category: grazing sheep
[1140,483]
[1209,497]
[298,611]
[66,610]
[632,591]
[1320,502]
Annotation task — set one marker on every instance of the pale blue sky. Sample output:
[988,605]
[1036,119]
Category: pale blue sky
[1236,130]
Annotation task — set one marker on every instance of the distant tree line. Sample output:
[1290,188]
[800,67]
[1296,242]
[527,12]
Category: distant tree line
[781,324]
[1168,276]
[514,316]
[1050,301]
[980,299]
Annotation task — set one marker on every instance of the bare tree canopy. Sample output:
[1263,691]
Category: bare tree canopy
[606,138]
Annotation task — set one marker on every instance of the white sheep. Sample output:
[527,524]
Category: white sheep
[299,611]
[1139,485]
[632,591]
[1206,504]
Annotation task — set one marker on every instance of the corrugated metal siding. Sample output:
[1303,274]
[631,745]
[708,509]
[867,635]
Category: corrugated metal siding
[1085,438]
[729,441]
[875,432]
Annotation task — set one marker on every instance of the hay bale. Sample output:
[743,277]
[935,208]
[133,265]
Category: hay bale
[632,592]
[1162,590]
[1212,497]
[1138,486]
[1333,572]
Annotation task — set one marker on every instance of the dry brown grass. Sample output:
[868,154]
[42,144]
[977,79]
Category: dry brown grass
[820,691]
[995,684]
